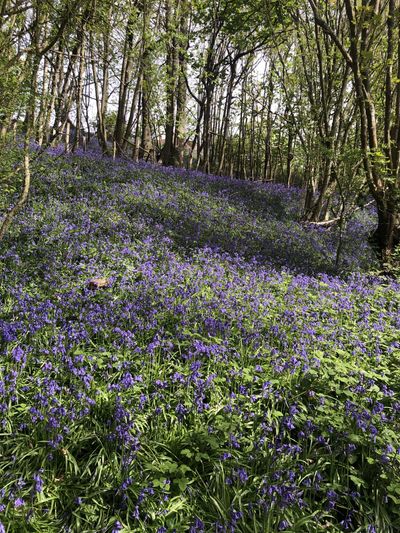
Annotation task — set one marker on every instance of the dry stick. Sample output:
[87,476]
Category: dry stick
[26,167]
[333,220]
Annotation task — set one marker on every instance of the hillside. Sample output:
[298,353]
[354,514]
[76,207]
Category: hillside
[225,380]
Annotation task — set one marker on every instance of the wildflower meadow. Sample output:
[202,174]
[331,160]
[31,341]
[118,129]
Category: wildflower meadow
[225,379]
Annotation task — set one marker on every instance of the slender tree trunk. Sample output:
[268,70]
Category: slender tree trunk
[181,118]
[126,72]
[146,146]
[43,103]
[79,96]
[101,101]
[227,114]
[133,115]
[168,151]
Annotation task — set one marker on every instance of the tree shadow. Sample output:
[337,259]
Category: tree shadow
[253,220]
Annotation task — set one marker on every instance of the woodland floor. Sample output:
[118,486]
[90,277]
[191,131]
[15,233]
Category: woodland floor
[224,380]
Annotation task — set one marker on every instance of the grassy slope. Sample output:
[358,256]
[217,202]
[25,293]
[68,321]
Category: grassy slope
[222,383]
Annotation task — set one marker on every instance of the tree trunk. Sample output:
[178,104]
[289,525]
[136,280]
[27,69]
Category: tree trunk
[181,119]
[120,126]
[227,113]
[387,234]
[79,96]
[146,146]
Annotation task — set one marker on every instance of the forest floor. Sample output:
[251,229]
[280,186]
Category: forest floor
[223,379]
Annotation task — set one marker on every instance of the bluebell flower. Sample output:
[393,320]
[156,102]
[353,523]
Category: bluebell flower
[38,482]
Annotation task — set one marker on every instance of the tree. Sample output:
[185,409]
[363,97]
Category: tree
[28,36]
[373,55]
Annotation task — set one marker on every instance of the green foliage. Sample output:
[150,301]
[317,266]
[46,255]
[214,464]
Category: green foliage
[10,182]
[247,23]
[13,88]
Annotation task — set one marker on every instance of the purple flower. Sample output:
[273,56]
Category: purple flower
[19,502]
[38,483]
[181,411]
[350,448]
[197,526]
[332,498]
[117,527]
[234,442]
[225,456]
[236,516]
[19,355]
[125,484]
[347,522]
[242,475]
[331,495]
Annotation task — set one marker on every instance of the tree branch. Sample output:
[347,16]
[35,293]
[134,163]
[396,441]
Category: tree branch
[329,31]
